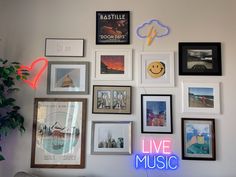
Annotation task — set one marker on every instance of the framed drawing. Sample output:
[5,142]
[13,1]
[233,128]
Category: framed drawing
[112,27]
[64,47]
[68,77]
[111,99]
[111,138]
[113,64]
[156,69]
[156,114]
[198,139]
[201,97]
[58,139]
[200,58]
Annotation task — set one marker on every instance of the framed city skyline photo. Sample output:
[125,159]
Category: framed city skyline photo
[156,69]
[68,77]
[111,138]
[113,64]
[156,114]
[198,139]
[200,58]
[58,139]
[112,99]
[201,97]
[113,27]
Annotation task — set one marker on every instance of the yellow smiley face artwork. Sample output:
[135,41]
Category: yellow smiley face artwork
[156,69]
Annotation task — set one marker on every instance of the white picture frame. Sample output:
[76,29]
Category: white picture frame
[113,64]
[158,77]
[201,97]
[64,47]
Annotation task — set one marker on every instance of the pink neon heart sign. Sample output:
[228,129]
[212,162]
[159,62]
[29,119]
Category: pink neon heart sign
[40,64]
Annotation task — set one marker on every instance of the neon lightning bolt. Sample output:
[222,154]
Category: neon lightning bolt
[151,35]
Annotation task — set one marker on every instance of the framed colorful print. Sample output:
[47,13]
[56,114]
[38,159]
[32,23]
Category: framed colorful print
[111,138]
[198,139]
[156,114]
[111,99]
[58,139]
[201,97]
[200,58]
[113,64]
[64,47]
[156,69]
[68,77]
[112,27]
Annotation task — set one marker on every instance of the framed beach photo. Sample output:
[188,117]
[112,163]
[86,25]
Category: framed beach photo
[112,99]
[198,139]
[201,97]
[113,27]
[200,58]
[156,114]
[59,128]
[68,77]
[115,64]
[111,138]
[156,69]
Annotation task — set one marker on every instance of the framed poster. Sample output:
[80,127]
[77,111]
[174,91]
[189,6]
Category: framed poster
[111,138]
[113,64]
[200,58]
[156,69]
[68,77]
[156,113]
[112,27]
[198,139]
[112,99]
[58,139]
[64,47]
[201,97]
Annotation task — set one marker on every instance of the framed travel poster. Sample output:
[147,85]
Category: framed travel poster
[156,114]
[58,139]
[200,58]
[198,139]
[201,97]
[111,138]
[68,77]
[114,64]
[156,69]
[112,99]
[112,27]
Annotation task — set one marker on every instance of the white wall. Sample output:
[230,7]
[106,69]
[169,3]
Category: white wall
[29,22]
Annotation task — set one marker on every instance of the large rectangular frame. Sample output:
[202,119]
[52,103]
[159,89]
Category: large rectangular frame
[64,47]
[109,99]
[59,128]
[201,99]
[113,27]
[156,69]
[159,120]
[98,66]
[200,58]
[111,138]
[198,139]
[74,78]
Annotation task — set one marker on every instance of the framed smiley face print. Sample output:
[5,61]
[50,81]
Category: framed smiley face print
[156,69]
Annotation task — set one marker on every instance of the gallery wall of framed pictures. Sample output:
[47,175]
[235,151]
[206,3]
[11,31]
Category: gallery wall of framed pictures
[59,121]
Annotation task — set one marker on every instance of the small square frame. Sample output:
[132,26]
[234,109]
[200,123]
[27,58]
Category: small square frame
[200,58]
[159,120]
[111,138]
[198,139]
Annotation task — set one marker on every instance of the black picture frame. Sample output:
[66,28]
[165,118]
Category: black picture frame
[156,113]
[113,27]
[200,58]
[109,99]
[198,139]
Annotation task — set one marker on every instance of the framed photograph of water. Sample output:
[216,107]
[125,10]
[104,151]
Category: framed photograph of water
[58,139]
